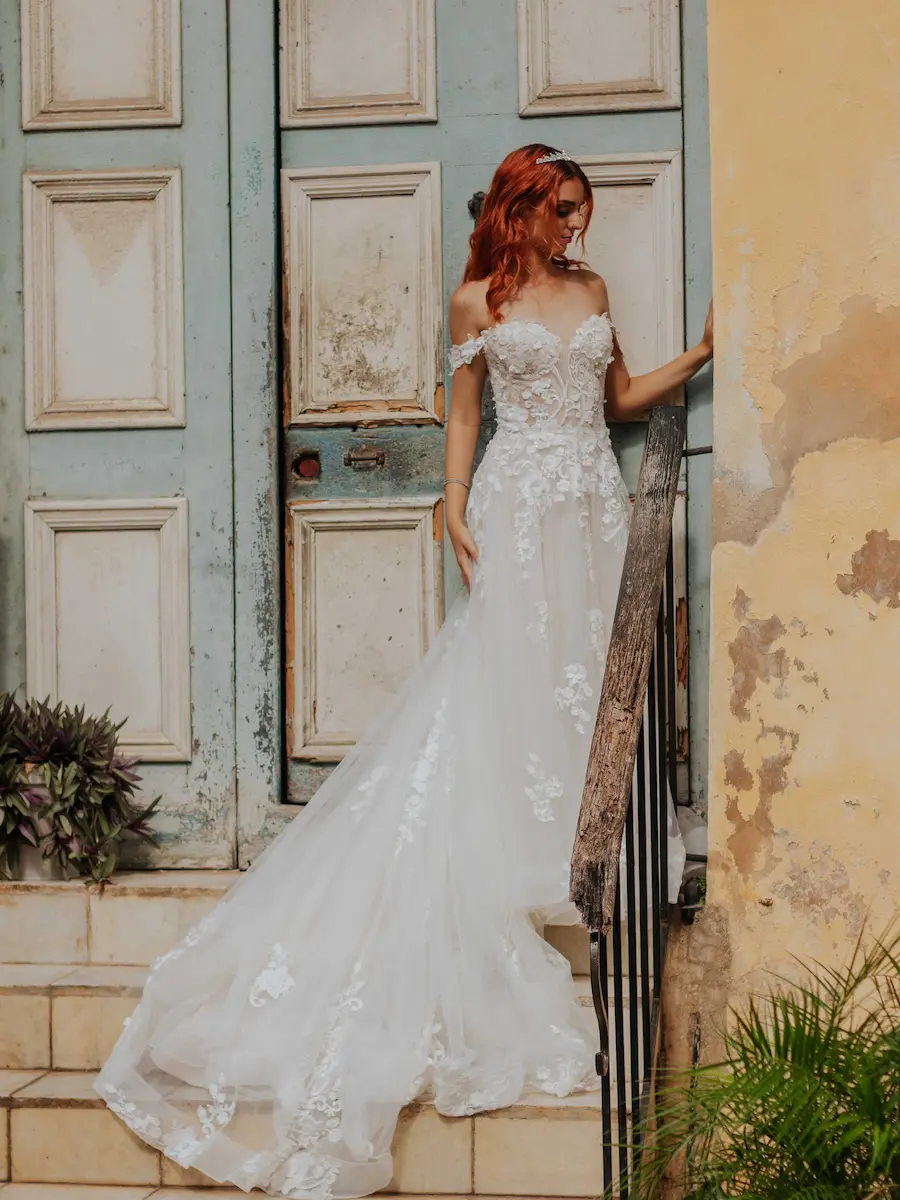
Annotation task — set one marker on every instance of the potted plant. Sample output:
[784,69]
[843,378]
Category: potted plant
[20,804]
[72,791]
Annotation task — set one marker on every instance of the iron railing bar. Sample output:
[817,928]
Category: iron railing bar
[601,1012]
[671,667]
[661,859]
[647,1082]
[619,1023]
[633,991]
[605,1088]
[643,891]
[656,770]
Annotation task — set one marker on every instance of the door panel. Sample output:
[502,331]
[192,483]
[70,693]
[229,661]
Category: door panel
[95,63]
[363,262]
[577,56]
[107,590]
[365,589]
[104,323]
[343,62]
[362,422]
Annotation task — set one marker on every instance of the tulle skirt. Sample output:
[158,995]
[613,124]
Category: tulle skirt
[386,946]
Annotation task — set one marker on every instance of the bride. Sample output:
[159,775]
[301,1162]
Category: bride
[385,946]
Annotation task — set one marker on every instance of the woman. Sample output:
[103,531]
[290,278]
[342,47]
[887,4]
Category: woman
[385,945]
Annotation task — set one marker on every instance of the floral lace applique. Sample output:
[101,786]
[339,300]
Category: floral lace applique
[274,981]
[180,1143]
[552,445]
[422,777]
[543,791]
[315,1108]
[310,1176]
[217,1114]
[537,629]
[369,788]
[597,625]
[144,1124]
[462,355]
[573,695]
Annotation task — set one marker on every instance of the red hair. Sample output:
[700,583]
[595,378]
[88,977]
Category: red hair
[506,230]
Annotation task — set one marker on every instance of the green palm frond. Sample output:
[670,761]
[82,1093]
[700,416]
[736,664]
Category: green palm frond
[806,1101]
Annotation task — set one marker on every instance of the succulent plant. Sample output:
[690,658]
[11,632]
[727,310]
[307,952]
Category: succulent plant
[62,778]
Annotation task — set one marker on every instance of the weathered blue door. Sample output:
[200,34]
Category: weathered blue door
[227,238]
[391,117]
[116,571]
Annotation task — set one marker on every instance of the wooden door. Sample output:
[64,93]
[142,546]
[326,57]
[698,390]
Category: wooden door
[116,520]
[391,117]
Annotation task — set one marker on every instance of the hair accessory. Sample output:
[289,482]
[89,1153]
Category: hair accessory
[554,157]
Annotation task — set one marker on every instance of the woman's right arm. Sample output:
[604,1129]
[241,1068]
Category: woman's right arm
[463,424]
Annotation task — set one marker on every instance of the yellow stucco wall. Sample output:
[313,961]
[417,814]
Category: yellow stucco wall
[805,670]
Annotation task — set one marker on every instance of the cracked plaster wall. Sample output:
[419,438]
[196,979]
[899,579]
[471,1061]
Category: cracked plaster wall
[804,687]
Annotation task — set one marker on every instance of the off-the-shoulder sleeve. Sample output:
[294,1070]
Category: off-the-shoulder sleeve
[461,356]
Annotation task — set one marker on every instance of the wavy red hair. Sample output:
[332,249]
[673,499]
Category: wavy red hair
[517,209]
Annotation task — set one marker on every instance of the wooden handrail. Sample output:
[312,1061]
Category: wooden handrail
[607,787]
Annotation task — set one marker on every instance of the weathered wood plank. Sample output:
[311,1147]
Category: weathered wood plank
[607,788]
[257,510]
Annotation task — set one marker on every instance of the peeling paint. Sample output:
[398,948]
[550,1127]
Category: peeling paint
[355,347]
[821,890]
[755,661]
[875,570]
[751,834]
[846,388]
[736,773]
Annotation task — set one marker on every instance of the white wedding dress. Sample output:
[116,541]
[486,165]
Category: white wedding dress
[385,945]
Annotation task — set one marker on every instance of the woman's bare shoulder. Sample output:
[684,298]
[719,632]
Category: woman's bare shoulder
[470,297]
[468,305]
[590,280]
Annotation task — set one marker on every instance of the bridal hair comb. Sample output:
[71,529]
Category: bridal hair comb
[554,157]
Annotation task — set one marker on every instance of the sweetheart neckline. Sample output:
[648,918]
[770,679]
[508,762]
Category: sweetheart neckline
[604,316]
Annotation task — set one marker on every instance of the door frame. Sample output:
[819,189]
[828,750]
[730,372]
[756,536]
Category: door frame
[256,357]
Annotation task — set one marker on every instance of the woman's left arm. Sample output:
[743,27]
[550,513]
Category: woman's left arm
[627,395]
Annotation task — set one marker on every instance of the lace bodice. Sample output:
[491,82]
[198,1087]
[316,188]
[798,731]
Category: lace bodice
[539,379]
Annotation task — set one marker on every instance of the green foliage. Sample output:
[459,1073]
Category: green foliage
[61,777]
[807,1100]
[19,806]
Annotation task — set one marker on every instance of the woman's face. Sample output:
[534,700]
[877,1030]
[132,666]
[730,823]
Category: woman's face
[568,217]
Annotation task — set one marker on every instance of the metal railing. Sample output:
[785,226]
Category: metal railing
[624,811]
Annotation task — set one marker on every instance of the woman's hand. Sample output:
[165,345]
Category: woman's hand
[465,549]
[707,340]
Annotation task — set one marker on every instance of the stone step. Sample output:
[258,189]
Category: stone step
[140,916]
[68,1018]
[75,1191]
[129,923]
[55,1129]
[78,1191]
